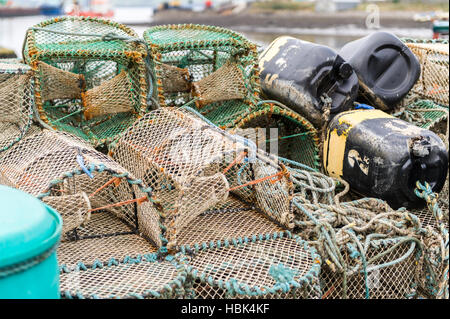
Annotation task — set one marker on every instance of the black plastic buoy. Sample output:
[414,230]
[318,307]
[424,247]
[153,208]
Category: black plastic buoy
[383,157]
[386,68]
[298,73]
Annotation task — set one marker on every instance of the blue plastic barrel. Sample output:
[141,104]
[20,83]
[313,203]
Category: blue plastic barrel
[29,234]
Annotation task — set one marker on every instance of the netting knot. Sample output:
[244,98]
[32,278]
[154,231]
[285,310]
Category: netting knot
[282,274]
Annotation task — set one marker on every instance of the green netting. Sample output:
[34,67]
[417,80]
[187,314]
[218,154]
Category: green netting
[90,76]
[423,113]
[213,67]
[280,131]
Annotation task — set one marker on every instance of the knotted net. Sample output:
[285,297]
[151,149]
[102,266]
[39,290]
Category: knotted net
[214,67]
[434,61]
[280,131]
[191,166]
[16,102]
[90,76]
[104,251]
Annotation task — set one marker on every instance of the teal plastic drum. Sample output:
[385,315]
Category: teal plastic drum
[29,234]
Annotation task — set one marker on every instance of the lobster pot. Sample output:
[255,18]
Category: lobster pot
[215,66]
[91,86]
[434,60]
[191,166]
[131,278]
[229,219]
[281,132]
[265,267]
[16,101]
[106,258]
[78,181]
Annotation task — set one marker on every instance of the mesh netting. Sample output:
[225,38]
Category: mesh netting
[191,166]
[281,132]
[370,250]
[275,266]
[59,84]
[113,96]
[16,102]
[105,258]
[423,113]
[229,219]
[434,61]
[213,66]
[392,282]
[224,84]
[74,209]
[90,76]
[144,278]
[76,179]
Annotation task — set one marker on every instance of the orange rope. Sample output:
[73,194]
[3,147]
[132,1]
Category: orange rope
[114,180]
[238,159]
[137,200]
[284,172]
[435,90]
[256,181]
[326,294]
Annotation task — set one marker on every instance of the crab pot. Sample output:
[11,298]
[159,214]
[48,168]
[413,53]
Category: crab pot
[107,258]
[282,132]
[191,166]
[84,84]
[265,267]
[16,101]
[70,175]
[214,66]
[433,80]
[29,235]
[235,222]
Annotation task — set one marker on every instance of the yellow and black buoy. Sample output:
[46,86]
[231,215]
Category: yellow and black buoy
[382,156]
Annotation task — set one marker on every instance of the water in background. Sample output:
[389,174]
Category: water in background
[12,31]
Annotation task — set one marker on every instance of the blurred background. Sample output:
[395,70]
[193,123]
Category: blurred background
[328,22]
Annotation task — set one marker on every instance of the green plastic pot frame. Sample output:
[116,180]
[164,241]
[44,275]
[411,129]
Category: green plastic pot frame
[243,46]
[234,287]
[32,55]
[266,108]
